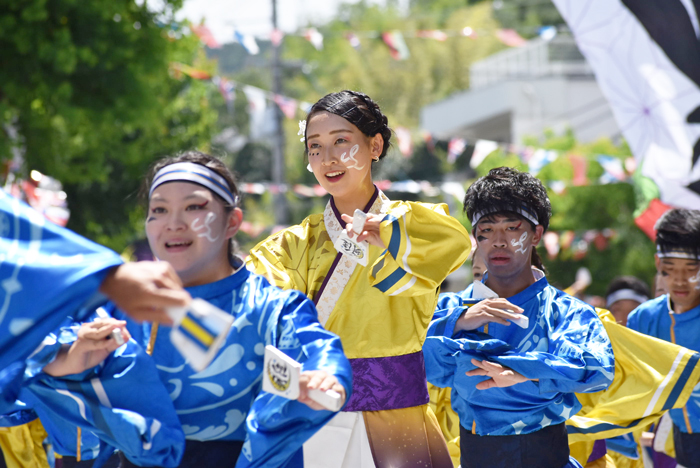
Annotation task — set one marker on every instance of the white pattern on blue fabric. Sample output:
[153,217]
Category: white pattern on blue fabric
[567,350]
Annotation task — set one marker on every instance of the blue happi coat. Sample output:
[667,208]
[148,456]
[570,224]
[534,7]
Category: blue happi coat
[656,318]
[120,403]
[565,346]
[225,401]
[46,274]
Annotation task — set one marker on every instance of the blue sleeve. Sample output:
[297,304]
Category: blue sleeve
[633,320]
[47,274]
[579,356]
[448,300]
[276,427]
[121,401]
[444,321]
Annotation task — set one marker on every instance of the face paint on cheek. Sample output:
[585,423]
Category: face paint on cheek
[208,219]
[695,280]
[152,218]
[520,243]
[345,158]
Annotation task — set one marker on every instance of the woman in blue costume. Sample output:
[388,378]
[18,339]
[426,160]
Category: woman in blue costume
[193,215]
[48,273]
[514,379]
[675,316]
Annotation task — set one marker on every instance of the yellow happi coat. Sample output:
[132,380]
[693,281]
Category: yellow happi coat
[383,309]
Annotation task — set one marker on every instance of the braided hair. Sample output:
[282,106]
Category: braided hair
[358,109]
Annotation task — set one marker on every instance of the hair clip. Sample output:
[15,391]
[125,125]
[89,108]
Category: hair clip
[302,130]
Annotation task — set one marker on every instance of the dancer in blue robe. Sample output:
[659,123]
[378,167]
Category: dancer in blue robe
[192,217]
[89,414]
[48,273]
[514,379]
[675,316]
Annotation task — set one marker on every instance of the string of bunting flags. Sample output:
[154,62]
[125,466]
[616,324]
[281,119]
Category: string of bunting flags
[614,169]
[393,39]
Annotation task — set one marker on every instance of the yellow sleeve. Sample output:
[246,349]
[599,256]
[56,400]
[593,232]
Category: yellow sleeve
[424,245]
[651,377]
[283,259]
[22,445]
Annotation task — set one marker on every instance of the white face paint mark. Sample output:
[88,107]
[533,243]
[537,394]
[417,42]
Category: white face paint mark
[520,243]
[696,280]
[208,219]
[345,158]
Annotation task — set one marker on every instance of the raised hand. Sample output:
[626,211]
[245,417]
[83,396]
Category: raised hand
[500,376]
[144,289]
[318,380]
[488,311]
[370,232]
[93,345]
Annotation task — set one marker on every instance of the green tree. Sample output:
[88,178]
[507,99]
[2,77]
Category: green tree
[86,85]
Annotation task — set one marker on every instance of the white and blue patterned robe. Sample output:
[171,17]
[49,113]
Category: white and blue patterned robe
[656,318]
[565,347]
[225,401]
[120,403]
[46,274]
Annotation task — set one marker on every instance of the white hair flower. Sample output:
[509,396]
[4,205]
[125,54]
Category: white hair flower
[302,130]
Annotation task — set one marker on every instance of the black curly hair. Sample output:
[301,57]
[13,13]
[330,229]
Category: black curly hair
[679,229]
[507,190]
[358,109]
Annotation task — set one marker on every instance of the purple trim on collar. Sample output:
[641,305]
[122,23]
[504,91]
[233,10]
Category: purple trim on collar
[599,450]
[328,276]
[365,209]
[385,383]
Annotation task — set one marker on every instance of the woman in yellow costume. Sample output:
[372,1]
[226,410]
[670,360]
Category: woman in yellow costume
[377,288]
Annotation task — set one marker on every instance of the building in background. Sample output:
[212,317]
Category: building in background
[523,91]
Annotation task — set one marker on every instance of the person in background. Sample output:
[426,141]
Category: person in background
[675,316]
[624,294]
[659,285]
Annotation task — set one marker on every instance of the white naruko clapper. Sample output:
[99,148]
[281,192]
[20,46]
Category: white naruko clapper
[281,377]
[116,334]
[481,291]
[357,251]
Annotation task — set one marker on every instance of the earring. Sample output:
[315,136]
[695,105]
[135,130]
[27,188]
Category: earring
[308,167]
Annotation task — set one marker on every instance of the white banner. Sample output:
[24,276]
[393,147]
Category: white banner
[646,57]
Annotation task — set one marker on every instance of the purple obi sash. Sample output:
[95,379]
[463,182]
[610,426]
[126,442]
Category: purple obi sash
[599,450]
[386,383]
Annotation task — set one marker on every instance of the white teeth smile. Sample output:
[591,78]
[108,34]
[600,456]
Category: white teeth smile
[335,174]
[177,244]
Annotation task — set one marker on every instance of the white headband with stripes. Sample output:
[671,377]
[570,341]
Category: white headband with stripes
[195,173]
[622,294]
[677,253]
[521,211]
